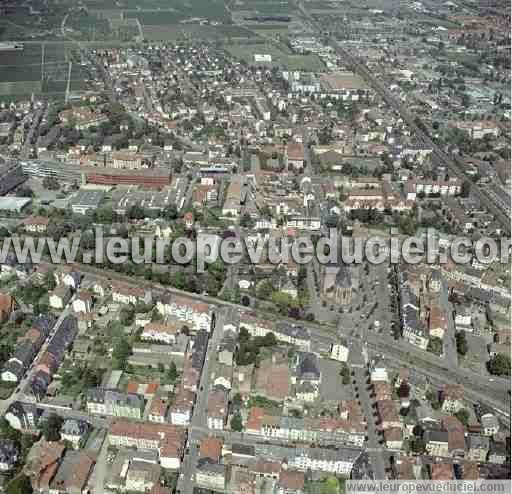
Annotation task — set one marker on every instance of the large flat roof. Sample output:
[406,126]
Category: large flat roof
[14,203]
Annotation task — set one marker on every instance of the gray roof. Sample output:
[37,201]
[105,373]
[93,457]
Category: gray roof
[307,366]
[74,427]
[476,441]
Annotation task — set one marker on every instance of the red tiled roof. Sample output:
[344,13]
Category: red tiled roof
[211,447]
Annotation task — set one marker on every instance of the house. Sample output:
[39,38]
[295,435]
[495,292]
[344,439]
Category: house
[436,442]
[490,424]
[442,471]
[217,409]
[167,439]
[294,156]
[113,403]
[497,453]
[22,416]
[290,482]
[197,315]
[73,473]
[211,448]
[211,475]
[223,375]
[393,438]
[9,454]
[82,303]
[158,410]
[7,305]
[226,349]
[123,293]
[133,471]
[452,398]
[160,332]
[388,414]
[456,439]
[74,431]
[36,224]
[60,297]
[477,448]
[339,352]
[181,409]
[42,463]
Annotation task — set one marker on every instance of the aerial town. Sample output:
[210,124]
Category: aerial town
[252,119]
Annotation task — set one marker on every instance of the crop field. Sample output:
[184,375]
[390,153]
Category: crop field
[268,7]
[281,57]
[23,71]
[173,32]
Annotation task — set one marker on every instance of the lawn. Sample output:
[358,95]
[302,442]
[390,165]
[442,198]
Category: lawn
[280,57]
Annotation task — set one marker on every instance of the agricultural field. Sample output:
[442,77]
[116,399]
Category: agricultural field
[263,7]
[23,72]
[281,56]
[172,32]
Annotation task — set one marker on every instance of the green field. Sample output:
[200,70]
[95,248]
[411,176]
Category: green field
[22,71]
[263,6]
[280,56]
[173,32]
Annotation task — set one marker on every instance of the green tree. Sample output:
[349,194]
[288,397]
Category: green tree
[345,373]
[463,416]
[236,423]
[462,344]
[19,485]
[121,353]
[51,427]
[330,486]
[499,365]
[435,345]
[172,373]
[418,445]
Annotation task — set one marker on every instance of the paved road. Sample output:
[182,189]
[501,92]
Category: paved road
[199,421]
[19,395]
[377,454]
[449,344]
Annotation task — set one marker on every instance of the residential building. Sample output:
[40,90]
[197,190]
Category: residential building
[217,409]
[210,475]
[452,397]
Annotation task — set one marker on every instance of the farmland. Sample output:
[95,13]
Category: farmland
[23,71]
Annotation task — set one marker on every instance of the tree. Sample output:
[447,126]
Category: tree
[463,416]
[51,428]
[462,344]
[19,485]
[237,401]
[121,353]
[418,445]
[25,191]
[236,423]
[345,373]
[499,365]
[435,345]
[246,221]
[170,212]
[51,183]
[172,373]
[403,390]
[330,486]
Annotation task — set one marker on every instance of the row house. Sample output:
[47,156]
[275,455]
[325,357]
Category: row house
[26,349]
[161,332]
[167,439]
[197,315]
[284,332]
[112,403]
[128,294]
